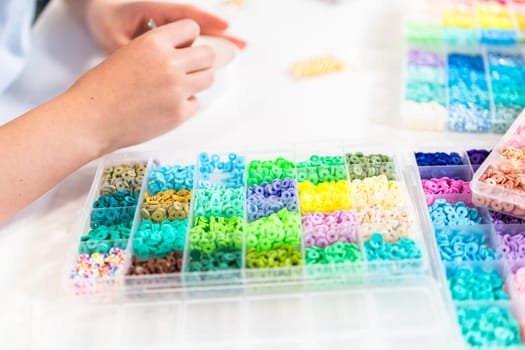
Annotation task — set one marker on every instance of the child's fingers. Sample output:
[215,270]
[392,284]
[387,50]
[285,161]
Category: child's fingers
[241,44]
[196,58]
[206,20]
[179,34]
[200,81]
[190,107]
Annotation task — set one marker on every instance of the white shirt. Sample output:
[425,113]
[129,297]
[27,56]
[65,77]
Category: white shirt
[15,31]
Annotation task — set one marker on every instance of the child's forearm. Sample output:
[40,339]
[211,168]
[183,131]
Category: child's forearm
[42,147]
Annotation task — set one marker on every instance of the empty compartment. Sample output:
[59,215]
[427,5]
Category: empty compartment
[277,317]
[151,324]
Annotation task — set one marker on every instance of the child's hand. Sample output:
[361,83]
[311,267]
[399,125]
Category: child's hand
[114,23]
[145,88]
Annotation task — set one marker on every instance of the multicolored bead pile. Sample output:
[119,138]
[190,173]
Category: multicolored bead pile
[89,268]
[273,232]
[102,249]
[216,233]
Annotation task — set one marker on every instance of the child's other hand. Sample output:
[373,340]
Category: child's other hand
[143,89]
[114,23]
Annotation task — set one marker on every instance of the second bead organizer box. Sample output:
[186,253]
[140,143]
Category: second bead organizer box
[230,221]
[482,253]
[499,184]
[463,90]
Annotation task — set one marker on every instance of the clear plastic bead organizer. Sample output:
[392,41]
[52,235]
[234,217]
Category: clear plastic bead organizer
[442,93]
[464,67]
[408,302]
[498,183]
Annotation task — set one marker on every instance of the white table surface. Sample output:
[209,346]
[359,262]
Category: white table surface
[263,105]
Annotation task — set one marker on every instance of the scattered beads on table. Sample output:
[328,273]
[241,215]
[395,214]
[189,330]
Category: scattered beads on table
[458,245]
[317,66]
[378,249]
[488,326]
[443,213]
[169,264]
[438,158]
[466,284]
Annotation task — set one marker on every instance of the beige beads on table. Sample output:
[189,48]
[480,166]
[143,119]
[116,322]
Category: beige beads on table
[317,66]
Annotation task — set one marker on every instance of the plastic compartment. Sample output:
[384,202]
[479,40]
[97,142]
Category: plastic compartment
[392,246]
[489,276]
[496,24]
[273,220]
[160,232]
[459,22]
[467,88]
[506,76]
[476,314]
[487,192]
[455,172]
[423,98]
[93,242]
[470,239]
[217,221]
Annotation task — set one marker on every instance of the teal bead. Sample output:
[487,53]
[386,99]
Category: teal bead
[158,240]
[377,248]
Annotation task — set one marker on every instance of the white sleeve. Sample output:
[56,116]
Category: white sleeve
[15,32]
